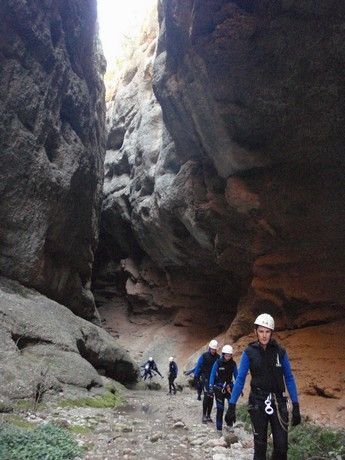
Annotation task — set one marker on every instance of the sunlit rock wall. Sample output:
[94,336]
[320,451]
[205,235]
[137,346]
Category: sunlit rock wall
[238,171]
[52,146]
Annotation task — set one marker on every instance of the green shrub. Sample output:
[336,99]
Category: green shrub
[243,416]
[107,400]
[46,442]
[308,440]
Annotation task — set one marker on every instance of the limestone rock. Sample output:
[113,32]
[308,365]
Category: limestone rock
[231,171]
[52,143]
[45,345]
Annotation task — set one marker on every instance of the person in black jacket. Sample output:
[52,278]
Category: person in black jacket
[172,374]
[270,369]
[223,372]
[203,368]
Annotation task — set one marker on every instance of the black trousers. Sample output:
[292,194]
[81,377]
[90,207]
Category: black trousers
[207,402]
[172,387]
[279,427]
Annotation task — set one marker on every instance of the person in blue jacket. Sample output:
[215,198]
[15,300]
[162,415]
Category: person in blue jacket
[150,369]
[198,383]
[203,369]
[172,374]
[270,370]
[223,372]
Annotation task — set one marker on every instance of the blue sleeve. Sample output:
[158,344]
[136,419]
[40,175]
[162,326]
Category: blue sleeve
[197,369]
[235,374]
[289,379]
[213,373]
[240,379]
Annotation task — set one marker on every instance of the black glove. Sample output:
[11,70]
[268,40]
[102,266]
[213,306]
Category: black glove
[296,416]
[230,416]
[210,391]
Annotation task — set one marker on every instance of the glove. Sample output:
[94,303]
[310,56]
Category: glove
[230,416]
[296,415]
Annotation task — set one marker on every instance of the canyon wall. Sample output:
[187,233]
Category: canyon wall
[52,143]
[225,163]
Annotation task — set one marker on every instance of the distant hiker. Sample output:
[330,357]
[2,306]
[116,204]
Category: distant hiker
[198,383]
[150,369]
[223,372]
[172,375]
[270,370]
[203,368]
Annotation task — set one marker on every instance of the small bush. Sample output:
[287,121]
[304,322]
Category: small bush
[243,416]
[46,442]
[308,440]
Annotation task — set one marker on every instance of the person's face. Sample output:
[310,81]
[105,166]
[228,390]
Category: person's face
[227,356]
[264,335]
[213,351]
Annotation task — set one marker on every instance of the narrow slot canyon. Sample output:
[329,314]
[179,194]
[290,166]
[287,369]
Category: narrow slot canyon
[170,170]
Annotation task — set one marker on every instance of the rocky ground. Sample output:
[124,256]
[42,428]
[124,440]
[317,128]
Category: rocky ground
[150,425]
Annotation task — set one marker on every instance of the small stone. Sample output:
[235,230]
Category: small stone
[179,424]
[155,437]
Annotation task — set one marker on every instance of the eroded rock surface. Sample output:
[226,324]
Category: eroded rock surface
[45,347]
[233,168]
[52,143]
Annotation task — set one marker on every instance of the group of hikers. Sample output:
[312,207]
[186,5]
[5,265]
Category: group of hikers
[150,369]
[217,377]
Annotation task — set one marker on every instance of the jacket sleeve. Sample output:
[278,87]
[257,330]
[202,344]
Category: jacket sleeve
[235,373]
[289,379]
[197,369]
[213,373]
[240,379]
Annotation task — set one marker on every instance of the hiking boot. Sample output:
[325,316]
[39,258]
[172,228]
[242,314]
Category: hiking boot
[219,433]
[208,419]
[204,419]
[199,398]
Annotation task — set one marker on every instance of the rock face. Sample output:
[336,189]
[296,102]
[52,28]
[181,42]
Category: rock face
[51,146]
[44,345]
[233,169]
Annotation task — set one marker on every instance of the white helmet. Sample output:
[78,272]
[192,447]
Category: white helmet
[228,349]
[171,359]
[265,320]
[150,358]
[213,344]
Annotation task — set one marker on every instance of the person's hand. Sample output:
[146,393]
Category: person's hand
[184,372]
[230,416]
[296,415]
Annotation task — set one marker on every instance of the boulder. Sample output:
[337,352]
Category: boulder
[45,347]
